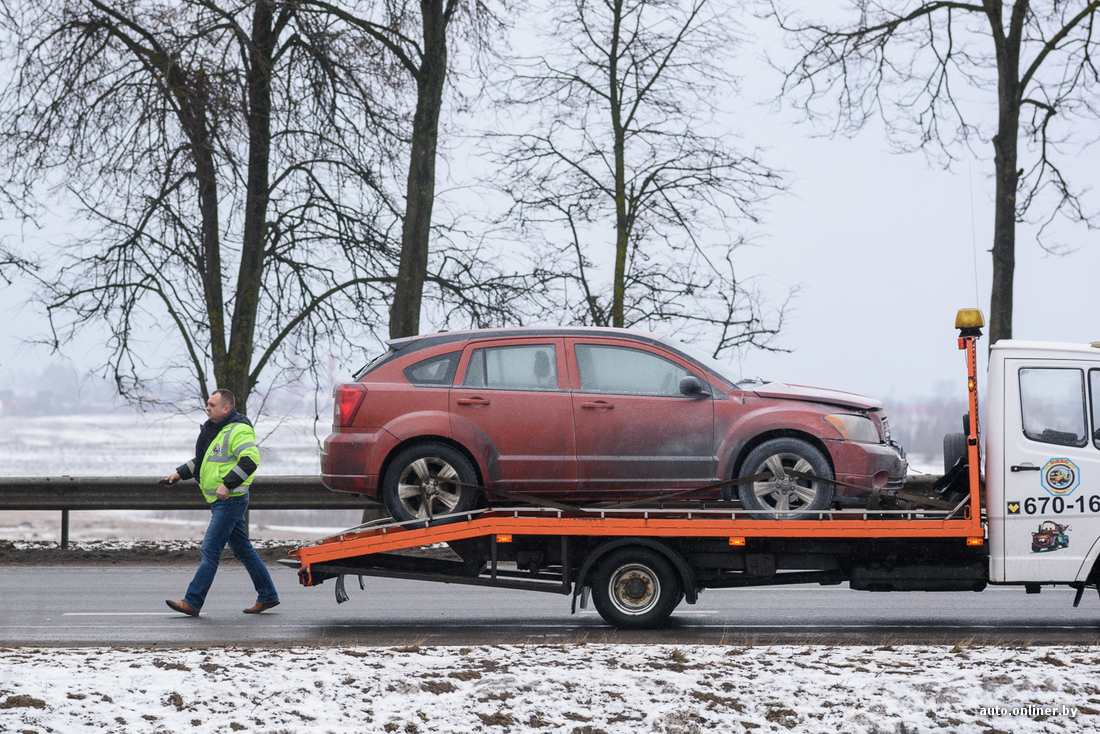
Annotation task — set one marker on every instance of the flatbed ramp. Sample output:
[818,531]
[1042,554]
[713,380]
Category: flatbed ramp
[639,563]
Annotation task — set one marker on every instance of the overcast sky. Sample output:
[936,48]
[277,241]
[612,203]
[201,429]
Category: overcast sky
[883,248]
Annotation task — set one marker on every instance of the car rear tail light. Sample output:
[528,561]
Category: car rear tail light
[348,399]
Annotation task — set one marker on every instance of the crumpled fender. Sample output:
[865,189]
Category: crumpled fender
[783,419]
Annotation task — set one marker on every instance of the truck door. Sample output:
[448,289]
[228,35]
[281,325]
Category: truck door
[1050,470]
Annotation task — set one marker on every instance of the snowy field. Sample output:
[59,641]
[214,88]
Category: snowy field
[137,444]
[151,445]
[578,688]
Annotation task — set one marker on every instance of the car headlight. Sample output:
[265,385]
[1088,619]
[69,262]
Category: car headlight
[854,427]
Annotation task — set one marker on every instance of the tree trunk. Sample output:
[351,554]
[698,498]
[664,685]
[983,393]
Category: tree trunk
[209,266]
[238,364]
[420,191]
[622,224]
[1005,146]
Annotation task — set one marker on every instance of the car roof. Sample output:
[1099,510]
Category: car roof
[411,344]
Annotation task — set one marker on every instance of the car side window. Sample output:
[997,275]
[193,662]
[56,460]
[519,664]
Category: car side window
[627,371]
[434,371]
[1052,401]
[524,367]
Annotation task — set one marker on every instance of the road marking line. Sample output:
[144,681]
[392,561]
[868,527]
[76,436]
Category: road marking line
[119,614]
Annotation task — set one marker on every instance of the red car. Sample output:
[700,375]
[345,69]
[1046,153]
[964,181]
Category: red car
[588,414]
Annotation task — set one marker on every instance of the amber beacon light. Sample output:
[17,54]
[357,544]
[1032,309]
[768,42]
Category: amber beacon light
[969,318]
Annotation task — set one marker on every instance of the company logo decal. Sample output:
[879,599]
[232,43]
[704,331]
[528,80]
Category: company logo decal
[1013,508]
[217,450]
[1060,477]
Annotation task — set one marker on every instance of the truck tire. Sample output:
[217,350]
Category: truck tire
[635,588]
[416,488]
[954,449]
[792,498]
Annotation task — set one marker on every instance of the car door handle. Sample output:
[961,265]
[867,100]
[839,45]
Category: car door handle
[598,405]
[473,401]
[1024,467]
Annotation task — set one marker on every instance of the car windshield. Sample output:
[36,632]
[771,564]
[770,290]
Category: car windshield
[725,371]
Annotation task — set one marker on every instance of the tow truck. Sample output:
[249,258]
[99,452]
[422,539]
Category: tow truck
[638,562]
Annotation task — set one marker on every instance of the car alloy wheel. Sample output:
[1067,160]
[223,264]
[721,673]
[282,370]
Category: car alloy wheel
[780,493]
[427,480]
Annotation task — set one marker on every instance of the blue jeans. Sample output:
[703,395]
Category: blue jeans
[227,525]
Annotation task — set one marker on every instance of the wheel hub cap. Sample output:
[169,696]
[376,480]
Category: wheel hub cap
[634,588]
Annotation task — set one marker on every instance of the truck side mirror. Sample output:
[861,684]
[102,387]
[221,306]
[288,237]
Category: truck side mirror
[693,387]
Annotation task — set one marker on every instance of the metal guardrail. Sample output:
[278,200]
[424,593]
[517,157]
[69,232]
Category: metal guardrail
[143,493]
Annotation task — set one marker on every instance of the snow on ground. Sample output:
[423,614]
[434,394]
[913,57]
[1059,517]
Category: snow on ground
[579,688]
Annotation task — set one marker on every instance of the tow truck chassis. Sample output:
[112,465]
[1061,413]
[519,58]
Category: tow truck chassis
[668,553]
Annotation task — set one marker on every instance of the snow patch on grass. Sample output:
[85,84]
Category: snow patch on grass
[578,688]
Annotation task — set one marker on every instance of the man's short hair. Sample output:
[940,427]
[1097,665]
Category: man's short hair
[227,397]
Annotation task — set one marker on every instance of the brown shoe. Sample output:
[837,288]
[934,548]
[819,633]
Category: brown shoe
[183,608]
[260,606]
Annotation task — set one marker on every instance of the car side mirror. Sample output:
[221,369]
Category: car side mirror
[693,387]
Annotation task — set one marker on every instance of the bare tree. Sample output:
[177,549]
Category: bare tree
[217,157]
[230,163]
[625,168]
[922,67]
[416,36]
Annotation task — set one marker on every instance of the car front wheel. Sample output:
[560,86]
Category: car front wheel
[779,492]
[427,480]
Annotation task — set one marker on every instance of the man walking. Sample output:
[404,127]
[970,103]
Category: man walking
[226,458]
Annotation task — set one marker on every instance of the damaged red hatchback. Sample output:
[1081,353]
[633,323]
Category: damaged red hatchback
[587,414]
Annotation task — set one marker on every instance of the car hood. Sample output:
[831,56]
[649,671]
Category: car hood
[783,391]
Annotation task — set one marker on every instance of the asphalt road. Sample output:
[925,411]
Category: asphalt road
[124,606]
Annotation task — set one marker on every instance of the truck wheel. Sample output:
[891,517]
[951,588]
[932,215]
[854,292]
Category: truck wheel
[635,588]
[416,484]
[954,450]
[781,492]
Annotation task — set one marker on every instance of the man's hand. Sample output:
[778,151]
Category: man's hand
[222,493]
[171,478]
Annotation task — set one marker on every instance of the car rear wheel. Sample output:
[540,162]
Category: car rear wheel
[783,495]
[427,480]
[636,588]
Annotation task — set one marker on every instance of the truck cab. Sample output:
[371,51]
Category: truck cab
[1042,468]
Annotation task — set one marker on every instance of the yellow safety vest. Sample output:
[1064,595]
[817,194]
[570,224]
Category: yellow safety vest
[231,444]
